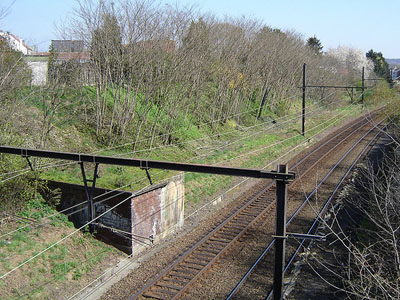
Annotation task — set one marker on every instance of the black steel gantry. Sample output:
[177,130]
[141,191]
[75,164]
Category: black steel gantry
[282,177]
[304,86]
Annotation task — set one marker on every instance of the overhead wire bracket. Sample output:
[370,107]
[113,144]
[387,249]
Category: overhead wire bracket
[146,168]
[25,154]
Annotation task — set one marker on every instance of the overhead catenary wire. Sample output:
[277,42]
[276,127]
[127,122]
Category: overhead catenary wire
[176,144]
[189,217]
[74,206]
[206,137]
[319,220]
[278,142]
[145,150]
[63,239]
[166,134]
[123,192]
[307,198]
[289,117]
[208,204]
[220,147]
[266,166]
[241,138]
[201,124]
[141,180]
[163,207]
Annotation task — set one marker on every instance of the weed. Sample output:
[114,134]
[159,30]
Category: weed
[61,269]
[77,274]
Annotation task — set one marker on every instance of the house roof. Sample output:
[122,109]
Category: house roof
[17,39]
[73,55]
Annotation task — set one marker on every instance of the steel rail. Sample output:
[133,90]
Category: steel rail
[189,252]
[325,207]
[248,273]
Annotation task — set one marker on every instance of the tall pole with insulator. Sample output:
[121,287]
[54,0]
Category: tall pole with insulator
[304,101]
[362,87]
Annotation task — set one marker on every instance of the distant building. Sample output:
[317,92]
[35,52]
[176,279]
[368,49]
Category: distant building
[68,46]
[396,74]
[15,42]
[70,50]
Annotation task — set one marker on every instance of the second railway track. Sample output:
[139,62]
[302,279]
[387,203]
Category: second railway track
[182,273]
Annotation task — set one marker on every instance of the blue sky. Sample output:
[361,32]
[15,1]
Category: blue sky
[362,24]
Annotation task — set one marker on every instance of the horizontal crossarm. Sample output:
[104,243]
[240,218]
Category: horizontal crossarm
[146,164]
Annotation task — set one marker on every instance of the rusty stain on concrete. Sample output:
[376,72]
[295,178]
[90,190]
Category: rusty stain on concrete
[158,212]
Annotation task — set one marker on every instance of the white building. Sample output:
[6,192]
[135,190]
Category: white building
[15,42]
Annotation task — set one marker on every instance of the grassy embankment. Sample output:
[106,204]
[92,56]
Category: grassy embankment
[74,262]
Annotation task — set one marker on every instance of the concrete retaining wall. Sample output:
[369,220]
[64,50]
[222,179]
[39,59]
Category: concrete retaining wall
[39,72]
[146,217]
[158,212]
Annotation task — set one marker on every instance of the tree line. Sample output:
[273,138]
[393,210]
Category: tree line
[155,68]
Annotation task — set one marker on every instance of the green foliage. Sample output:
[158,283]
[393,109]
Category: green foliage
[14,72]
[59,270]
[20,189]
[382,93]
[381,67]
[315,44]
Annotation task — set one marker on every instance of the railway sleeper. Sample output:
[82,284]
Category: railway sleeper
[230,232]
[221,236]
[218,240]
[216,243]
[250,214]
[166,285]
[175,281]
[163,291]
[215,247]
[194,266]
[152,296]
[202,264]
[180,275]
[181,269]
[237,227]
[243,219]
[258,205]
[205,256]
[260,201]
[209,251]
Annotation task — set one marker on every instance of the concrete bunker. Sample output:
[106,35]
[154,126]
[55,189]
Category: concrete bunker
[140,220]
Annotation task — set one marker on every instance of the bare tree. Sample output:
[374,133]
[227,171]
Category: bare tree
[155,67]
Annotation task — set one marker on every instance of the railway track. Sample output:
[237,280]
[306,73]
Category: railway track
[178,277]
[294,247]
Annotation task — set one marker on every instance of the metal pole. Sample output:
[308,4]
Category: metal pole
[90,193]
[362,87]
[304,101]
[280,238]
